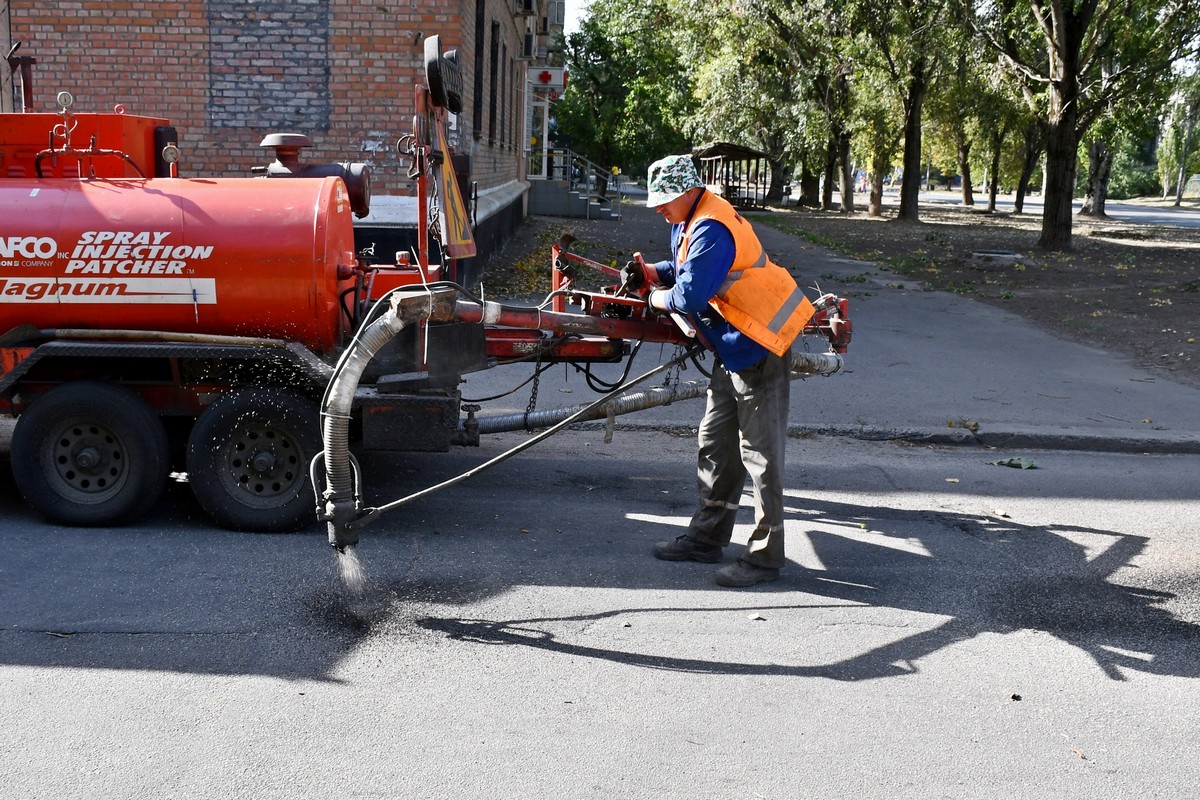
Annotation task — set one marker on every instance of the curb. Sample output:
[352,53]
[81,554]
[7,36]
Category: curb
[1065,439]
[1107,441]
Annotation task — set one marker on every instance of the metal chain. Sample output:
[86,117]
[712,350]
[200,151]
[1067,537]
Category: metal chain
[671,377]
[537,379]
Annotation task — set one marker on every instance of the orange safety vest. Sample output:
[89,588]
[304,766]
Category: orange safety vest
[759,298]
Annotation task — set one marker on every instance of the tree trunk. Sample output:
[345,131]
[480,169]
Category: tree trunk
[830,174]
[810,187]
[964,170]
[1064,41]
[994,185]
[881,162]
[1100,200]
[1183,158]
[996,143]
[881,166]
[1034,144]
[1060,183]
[910,185]
[875,201]
[775,189]
[1099,170]
[843,143]
[1022,190]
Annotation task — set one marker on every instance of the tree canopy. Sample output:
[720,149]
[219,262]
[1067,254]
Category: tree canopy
[629,95]
[838,88]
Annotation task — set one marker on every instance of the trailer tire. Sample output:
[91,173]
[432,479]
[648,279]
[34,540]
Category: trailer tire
[248,457]
[90,454]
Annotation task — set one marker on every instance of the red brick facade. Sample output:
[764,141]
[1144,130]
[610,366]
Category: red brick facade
[228,72]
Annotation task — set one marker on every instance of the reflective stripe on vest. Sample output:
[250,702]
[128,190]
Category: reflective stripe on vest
[794,302]
[736,273]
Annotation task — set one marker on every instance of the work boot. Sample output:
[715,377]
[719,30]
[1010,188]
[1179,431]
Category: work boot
[685,548]
[741,573]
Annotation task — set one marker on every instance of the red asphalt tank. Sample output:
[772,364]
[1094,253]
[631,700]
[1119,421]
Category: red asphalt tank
[235,256]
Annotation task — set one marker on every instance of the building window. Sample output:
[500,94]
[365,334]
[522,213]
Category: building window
[503,94]
[493,74]
[513,88]
[477,100]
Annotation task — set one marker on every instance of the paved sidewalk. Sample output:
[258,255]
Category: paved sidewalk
[923,366]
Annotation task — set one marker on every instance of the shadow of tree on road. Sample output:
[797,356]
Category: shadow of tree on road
[988,575]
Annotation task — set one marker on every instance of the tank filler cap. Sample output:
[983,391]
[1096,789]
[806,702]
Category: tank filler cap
[289,140]
[287,150]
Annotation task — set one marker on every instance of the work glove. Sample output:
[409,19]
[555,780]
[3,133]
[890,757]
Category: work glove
[637,276]
[632,276]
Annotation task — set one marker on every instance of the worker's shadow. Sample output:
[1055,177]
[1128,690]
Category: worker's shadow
[987,575]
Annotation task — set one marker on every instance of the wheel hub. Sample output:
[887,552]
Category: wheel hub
[265,462]
[89,458]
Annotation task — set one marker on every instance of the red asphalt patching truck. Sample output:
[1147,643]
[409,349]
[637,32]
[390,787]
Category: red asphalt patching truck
[152,323]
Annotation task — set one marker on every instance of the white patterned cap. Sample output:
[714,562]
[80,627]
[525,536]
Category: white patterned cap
[669,178]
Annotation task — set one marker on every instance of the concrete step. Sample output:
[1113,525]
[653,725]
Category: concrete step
[555,199]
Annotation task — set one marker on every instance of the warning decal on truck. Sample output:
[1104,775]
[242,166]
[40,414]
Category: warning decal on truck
[200,291]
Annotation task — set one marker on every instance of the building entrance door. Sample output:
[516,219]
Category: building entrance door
[539,130]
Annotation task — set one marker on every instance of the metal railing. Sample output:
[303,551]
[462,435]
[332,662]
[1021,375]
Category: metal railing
[581,174]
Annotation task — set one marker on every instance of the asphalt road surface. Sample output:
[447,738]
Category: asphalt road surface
[946,627]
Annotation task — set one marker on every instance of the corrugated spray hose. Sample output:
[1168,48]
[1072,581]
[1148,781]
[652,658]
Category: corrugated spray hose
[340,496]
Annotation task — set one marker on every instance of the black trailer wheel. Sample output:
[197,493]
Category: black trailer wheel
[248,457]
[91,454]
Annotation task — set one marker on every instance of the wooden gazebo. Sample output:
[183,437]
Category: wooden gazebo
[739,174]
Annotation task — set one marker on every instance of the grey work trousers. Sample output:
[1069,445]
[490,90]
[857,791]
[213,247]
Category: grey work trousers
[744,432]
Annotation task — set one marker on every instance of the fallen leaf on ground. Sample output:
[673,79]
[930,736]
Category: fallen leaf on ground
[1016,463]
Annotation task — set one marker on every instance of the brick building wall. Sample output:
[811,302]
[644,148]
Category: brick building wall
[6,83]
[228,72]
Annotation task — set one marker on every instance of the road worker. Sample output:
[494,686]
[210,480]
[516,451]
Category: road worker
[748,311]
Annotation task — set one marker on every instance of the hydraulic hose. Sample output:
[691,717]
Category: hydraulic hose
[626,404]
[804,365]
[611,404]
[577,415]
